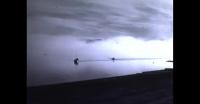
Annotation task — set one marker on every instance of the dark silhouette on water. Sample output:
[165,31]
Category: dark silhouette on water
[169,61]
[76,60]
[113,59]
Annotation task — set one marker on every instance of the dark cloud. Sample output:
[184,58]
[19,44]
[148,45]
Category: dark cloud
[50,29]
[96,19]
[92,40]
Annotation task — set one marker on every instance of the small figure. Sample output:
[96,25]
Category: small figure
[113,59]
[76,61]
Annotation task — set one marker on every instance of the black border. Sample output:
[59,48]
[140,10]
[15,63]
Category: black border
[184,54]
[16,51]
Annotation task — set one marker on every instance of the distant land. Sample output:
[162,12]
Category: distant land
[154,87]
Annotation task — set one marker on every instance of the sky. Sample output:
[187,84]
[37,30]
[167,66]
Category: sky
[60,30]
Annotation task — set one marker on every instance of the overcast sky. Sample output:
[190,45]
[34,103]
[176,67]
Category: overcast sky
[60,30]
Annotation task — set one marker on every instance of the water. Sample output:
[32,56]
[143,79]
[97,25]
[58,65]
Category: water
[127,67]
[93,70]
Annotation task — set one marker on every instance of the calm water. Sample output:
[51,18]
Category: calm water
[92,70]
